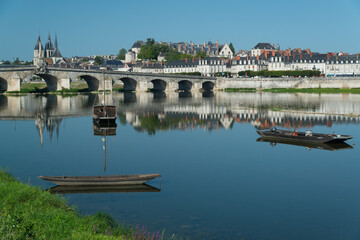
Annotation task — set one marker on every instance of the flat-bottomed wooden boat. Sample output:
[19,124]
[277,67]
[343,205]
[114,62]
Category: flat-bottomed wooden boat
[307,136]
[100,180]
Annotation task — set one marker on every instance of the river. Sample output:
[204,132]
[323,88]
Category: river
[218,181]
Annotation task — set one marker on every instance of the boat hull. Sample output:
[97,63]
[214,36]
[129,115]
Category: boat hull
[109,180]
[301,136]
[309,145]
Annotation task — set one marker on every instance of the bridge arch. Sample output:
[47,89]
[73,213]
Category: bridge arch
[129,84]
[92,82]
[3,85]
[208,86]
[50,80]
[185,85]
[158,85]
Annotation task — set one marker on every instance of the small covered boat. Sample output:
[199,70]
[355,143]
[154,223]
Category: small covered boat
[307,136]
[100,180]
[104,113]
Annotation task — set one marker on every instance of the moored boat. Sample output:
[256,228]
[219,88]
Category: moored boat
[307,136]
[308,145]
[100,180]
[104,113]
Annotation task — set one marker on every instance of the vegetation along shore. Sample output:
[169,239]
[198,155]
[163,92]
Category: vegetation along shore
[28,212]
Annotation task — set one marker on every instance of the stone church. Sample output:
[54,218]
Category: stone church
[50,55]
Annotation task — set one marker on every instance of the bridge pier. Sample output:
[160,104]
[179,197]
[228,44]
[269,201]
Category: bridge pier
[63,84]
[14,83]
[172,87]
[196,86]
[142,86]
[108,85]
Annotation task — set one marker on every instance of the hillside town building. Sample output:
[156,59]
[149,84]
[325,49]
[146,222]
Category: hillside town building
[210,49]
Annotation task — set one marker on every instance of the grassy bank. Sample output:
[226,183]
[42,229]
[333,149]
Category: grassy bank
[313,90]
[295,90]
[28,212]
[40,87]
[239,90]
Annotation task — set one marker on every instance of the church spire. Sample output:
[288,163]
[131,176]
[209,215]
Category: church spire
[38,43]
[56,43]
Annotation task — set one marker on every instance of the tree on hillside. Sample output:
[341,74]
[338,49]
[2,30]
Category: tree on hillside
[121,54]
[150,41]
[201,54]
[16,62]
[232,48]
[99,60]
[151,49]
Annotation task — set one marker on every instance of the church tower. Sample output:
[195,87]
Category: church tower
[49,49]
[56,56]
[38,53]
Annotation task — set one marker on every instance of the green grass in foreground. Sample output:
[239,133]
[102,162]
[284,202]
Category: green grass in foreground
[28,212]
[313,90]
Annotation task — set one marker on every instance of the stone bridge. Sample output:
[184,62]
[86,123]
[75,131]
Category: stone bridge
[60,78]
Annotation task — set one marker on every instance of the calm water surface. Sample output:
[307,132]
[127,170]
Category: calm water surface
[218,181]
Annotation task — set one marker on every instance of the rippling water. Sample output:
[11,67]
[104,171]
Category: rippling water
[218,181]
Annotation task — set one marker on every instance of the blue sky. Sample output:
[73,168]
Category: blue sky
[103,27]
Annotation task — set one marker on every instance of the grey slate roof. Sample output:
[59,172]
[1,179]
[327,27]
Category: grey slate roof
[56,54]
[264,46]
[138,44]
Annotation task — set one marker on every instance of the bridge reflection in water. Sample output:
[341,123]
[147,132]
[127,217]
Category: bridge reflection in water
[159,111]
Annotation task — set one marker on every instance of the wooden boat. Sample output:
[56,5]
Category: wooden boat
[309,145]
[100,180]
[307,136]
[103,189]
[104,113]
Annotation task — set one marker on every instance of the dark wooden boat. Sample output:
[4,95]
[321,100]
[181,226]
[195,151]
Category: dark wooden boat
[104,113]
[307,136]
[103,189]
[100,180]
[309,145]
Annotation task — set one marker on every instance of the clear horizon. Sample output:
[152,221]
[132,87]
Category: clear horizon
[88,28]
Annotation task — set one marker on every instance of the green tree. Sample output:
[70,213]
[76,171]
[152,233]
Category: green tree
[7,62]
[150,41]
[201,54]
[232,48]
[121,54]
[99,60]
[151,49]
[16,62]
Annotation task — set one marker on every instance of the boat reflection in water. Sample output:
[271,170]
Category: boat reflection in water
[106,183]
[103,189]
[309,145]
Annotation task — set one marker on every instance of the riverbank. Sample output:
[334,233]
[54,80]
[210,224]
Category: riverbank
[40,87]
[296,90]
[28,212]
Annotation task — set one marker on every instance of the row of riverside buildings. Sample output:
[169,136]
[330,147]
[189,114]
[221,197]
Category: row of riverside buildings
[220,59]
[264,56]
